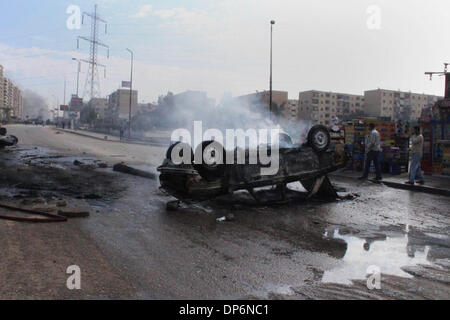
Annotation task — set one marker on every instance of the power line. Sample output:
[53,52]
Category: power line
[93,80]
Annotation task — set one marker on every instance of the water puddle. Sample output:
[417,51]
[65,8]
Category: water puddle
[389,254]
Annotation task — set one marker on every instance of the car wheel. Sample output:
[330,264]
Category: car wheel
[319,138]
[212,166]
[179,147]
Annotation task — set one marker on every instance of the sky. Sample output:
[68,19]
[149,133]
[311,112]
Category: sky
[222,46]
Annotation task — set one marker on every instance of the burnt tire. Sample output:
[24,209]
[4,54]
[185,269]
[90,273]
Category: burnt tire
[319,138]
[180,145]
[210,171]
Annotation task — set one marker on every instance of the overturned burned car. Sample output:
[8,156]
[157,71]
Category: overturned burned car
[7,140]
[308,163]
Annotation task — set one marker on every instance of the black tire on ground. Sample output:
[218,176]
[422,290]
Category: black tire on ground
[169,151]
[3,131]
[210,172]
[319,138]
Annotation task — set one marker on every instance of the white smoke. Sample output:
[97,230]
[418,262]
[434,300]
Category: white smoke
[34,106]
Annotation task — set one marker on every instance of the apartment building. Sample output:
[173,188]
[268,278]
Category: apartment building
[397,104]
[255,100]
[119,104]
[1,90]
[11,99]
[291,110]
[323,107]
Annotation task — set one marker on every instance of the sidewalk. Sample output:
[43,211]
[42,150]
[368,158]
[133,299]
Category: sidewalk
[105,137]
[433,184]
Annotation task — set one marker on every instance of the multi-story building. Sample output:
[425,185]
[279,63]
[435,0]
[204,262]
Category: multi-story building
[279,98]
[11,99]
[100,105]
[119,104]
[17,103]
[1,90]
[291,110]
[323,107]
[397,104]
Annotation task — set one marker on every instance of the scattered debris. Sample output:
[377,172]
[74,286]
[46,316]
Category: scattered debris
[77,163]
[74,213]
[60,203]
[31,201]
[102,165]
[230,217]
[49,216]
[349,196]
[173,205]
[121,167]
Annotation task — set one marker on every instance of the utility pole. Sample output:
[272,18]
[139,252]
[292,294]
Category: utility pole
[92,81]
[271,33]
[131,92]
[78,74]
[447,79]
[64,102]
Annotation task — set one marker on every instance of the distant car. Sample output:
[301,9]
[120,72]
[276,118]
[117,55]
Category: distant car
[7,140]
[308,163]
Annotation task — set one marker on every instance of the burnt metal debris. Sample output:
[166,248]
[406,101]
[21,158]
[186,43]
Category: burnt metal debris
[7,140]
[308,163]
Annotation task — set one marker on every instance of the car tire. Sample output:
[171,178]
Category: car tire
[319,138]
[169,151]
[210,172]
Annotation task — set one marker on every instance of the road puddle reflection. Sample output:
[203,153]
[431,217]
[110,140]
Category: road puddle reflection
[389,254]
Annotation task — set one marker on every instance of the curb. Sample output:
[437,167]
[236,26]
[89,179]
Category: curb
[402,186]
[116,141]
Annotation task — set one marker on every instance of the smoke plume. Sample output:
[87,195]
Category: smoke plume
[35,106]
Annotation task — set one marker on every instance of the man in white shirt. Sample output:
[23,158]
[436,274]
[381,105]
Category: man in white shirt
[415,171]
[373,148]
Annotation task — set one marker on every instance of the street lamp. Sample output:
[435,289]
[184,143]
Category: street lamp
[78,73]
[271,33]
[131,92]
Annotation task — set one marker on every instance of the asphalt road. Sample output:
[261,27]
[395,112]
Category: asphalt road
[131,247]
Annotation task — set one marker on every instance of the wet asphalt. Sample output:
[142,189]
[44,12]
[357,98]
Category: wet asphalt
[132,247]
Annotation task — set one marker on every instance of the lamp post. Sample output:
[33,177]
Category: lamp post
[271,33]
[78,73]
[131,92]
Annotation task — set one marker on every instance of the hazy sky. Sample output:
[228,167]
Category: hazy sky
[223,45]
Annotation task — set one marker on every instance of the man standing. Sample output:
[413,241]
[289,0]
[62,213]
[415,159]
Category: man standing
[373,149]
[415,171]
